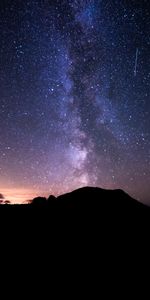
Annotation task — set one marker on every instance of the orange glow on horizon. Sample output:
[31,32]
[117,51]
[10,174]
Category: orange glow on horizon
[18,195]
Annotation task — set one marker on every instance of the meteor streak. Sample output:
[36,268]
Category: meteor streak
[136,60]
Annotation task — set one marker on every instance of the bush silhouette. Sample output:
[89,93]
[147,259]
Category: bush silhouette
[39,201]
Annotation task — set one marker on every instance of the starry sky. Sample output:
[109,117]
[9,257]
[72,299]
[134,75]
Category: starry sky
[74,97]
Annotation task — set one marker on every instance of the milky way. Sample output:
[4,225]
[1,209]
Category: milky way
[74,96]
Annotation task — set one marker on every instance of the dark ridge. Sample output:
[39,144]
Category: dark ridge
[90,199]
[87,212]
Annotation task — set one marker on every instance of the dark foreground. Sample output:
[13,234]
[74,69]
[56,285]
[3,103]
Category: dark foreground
[87,232]
[87,205]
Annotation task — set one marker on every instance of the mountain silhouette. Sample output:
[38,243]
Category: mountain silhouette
[93,199]
[88,198]
[87,216]
[87,205]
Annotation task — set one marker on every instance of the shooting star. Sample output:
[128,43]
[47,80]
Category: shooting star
[136,61]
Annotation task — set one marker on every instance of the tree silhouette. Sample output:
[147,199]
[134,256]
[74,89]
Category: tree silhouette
[7,202]
[39,201]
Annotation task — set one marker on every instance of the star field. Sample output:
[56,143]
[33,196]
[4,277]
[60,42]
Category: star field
[74,97]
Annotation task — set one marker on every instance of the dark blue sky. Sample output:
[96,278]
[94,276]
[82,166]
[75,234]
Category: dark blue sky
[74,96]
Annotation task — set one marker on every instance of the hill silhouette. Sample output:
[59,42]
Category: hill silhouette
[88,204]
[92,198]
[87,198]
[87,216]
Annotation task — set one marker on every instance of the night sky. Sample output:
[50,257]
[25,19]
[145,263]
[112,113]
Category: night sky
[74,97]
